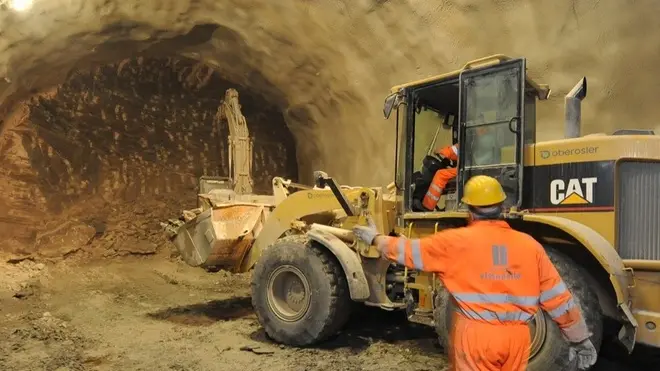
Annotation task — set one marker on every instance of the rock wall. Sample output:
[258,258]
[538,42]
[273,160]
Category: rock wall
[124,134]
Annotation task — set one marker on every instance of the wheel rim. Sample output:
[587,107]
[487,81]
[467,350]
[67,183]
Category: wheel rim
[289,295]
[538,330]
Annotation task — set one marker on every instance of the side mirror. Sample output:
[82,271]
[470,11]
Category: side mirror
[391,101]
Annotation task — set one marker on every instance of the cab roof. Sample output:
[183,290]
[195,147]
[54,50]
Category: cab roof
[542,90]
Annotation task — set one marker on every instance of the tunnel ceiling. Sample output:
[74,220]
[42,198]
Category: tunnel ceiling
[328,64]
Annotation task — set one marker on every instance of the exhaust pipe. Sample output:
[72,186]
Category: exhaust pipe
[573,108]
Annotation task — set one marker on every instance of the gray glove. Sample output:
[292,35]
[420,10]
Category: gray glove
[586,354]
[366,233]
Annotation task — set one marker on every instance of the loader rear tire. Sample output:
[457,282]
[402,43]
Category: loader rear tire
[553,351]
[299,292]
[549,350]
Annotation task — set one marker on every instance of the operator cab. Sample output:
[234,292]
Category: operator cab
[435,116]
[488,111]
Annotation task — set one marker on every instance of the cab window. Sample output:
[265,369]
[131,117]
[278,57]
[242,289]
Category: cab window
[431,132]
[433,116]
[435,113]
[492,104]
[530,115]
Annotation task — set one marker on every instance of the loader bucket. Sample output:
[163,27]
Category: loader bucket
[221,236]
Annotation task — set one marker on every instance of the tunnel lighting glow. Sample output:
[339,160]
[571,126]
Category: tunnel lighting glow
[20,5]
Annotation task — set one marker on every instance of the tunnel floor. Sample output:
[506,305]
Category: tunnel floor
[156,313]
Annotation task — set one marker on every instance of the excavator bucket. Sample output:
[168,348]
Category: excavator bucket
[221,236]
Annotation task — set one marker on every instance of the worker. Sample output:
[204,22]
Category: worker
[441,177]
[484,152]
[498,278]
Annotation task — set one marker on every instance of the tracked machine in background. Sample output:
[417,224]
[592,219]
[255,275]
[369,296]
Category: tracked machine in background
[228,215]
[593,201]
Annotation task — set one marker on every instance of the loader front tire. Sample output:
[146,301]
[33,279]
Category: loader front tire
[548,349]
[299,292]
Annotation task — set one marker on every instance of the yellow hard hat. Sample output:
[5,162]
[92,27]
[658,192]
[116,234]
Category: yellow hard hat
[483,190]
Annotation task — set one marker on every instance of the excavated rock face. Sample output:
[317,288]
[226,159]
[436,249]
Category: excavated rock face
[123,134]
[327,65]
[152,123]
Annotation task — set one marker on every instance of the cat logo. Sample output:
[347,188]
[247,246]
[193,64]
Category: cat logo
[573,192]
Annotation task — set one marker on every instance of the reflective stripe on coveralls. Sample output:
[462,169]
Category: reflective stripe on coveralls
[441,178]
[497,276]
[551,292]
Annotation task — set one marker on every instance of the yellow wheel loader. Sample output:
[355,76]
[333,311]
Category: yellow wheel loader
[593,201]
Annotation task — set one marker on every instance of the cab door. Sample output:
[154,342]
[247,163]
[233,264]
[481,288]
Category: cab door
[491,126]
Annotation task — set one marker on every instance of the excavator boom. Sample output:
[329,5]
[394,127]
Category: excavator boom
[229,217]
[240,143]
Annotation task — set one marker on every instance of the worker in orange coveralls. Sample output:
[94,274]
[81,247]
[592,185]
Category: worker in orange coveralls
[498,278]
[441,177]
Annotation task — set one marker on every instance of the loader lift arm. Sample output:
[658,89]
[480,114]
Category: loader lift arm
[323,180]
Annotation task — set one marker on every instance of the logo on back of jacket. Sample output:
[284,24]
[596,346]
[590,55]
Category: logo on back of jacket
[500,270]
[572,192]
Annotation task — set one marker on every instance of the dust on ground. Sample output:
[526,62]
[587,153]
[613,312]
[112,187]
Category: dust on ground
[156,313]
[142,312]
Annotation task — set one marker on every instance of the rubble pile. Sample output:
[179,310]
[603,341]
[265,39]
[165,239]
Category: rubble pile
[104,229]
[134,228]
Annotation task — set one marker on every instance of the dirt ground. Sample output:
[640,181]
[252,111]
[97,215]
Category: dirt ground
[156,313]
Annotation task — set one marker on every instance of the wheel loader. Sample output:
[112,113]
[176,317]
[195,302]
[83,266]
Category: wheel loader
[592,201]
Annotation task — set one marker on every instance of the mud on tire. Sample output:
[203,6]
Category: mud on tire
[299,292]
[553,354]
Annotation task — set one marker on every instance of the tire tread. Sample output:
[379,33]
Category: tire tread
[339,303]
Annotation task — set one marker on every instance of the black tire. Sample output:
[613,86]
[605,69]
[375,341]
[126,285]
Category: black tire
[555,348]
[553,353]
[326,307]
[443,309]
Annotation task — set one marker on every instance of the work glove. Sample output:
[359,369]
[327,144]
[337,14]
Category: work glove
[585,352]
[366,233]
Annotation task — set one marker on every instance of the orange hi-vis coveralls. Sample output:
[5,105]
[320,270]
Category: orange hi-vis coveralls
[441,178]
[498,278]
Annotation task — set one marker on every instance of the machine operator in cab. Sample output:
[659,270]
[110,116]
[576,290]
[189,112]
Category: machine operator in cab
[484,153]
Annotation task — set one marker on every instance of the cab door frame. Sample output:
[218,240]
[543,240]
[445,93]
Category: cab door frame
[510,174]
[410,94]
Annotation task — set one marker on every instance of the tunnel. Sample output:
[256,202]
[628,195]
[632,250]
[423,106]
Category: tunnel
[108,107]
[111,140]
[108,118]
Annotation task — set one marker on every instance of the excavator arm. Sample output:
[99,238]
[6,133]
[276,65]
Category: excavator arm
[220,232]
[240,143]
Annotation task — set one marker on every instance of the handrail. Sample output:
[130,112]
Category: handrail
[498,58]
